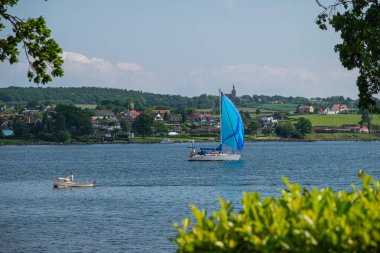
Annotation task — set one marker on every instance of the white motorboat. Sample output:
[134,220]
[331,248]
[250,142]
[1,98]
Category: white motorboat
[66,182]
[166,141]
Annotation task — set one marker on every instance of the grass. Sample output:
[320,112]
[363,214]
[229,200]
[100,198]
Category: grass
[86,106]
[342,136]
[375,119]
[330,120]
[14,142]
[336,119]
[278,107]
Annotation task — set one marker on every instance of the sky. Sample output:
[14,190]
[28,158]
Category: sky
[189,48]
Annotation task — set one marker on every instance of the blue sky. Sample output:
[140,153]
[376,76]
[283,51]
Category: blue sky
[189,48]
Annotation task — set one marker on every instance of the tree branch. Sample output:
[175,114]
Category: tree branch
[324,7]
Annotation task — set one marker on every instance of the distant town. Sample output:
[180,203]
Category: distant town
[129,120]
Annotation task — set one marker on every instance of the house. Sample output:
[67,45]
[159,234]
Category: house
[306,109]
[6,128]
[156,116]
[364,130]
[354,128]
[5,125]
[159,115]
[32,120]
[106,120]
[7,132]
[175,118]
[204,118]
[344,109]
[7,115]
[173,122]
[204,130]
[262,119]
[37,108]
[267,121]
[102,133]
[105,114]
[328,129]
[323,110]
[337,108]
[131,115]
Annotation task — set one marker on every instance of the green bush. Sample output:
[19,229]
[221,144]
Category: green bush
[299,221]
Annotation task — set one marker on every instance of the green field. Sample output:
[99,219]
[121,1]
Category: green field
[278,107]
[341,137]
[330,120]
[336,119]
[86,106]
[13,142]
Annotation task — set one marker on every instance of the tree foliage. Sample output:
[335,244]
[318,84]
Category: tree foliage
[358,22]
[320,220]
[43,52]
[303,126]
[73,119]
[143,125]
[365,118]
[286,129]
[121,99]
[20,128]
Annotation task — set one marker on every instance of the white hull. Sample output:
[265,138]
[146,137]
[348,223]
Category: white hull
[167,141]
[219,157]
[63,184]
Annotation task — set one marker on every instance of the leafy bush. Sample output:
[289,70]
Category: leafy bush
[299,221]
[286,129]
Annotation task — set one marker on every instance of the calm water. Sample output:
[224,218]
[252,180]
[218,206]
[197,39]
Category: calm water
[143,189]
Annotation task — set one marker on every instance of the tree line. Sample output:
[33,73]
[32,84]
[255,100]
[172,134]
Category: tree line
[62,124]
[141,100]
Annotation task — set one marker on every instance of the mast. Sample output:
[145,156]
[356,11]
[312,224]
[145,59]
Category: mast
[220,115]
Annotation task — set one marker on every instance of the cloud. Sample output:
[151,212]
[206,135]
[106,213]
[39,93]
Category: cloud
[73,58]
[95,71]
[270,72]
[271,80]
[132,67]
[249,78]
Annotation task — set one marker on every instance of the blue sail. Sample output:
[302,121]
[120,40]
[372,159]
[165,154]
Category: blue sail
[231,124]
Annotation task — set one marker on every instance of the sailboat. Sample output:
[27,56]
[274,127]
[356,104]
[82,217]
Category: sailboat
[231,135]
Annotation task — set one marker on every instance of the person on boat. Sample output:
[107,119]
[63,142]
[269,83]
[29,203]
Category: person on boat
[192,154]
[71,177]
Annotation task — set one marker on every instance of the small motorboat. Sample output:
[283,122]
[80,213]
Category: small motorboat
[167,141]
[67,182]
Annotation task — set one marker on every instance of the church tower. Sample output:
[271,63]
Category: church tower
[233,92]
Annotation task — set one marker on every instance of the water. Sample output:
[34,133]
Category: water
[143,189]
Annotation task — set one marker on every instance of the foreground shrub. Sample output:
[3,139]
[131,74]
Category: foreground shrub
[299,221]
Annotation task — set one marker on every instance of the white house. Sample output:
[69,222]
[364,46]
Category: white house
[306,109]
[324,110]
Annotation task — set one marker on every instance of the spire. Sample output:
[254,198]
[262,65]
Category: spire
[233,92]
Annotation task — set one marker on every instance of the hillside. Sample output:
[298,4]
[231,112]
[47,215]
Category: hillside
[93,95]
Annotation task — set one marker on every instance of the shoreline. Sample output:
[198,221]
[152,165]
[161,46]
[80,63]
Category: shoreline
[20,142]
